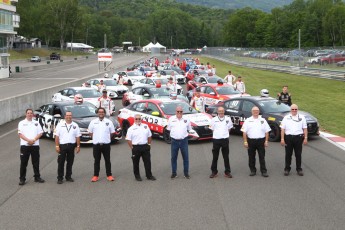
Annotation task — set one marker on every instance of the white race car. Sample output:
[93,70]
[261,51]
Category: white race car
[110,85]
[130,77]
[180,79]
[89,94]
[163,81]
[155,113]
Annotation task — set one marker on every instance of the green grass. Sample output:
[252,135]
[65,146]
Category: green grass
[323,98]
[28,53]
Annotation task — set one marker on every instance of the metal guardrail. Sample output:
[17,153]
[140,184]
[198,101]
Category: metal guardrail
[305,71]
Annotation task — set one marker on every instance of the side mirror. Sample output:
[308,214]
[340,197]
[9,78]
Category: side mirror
[146,95]
[212,93]
[57,116]
[203,82]
[71,96]
[155,113]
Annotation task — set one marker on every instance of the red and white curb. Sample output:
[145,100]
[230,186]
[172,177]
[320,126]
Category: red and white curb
[334,139]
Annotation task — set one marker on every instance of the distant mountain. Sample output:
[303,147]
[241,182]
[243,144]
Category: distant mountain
[264,5]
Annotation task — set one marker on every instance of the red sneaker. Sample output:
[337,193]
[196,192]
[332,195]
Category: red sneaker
[94,179]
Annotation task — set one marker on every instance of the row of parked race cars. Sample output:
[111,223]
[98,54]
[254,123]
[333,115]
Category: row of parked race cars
[151,97]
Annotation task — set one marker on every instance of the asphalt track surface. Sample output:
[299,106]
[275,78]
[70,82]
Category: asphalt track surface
[314,201]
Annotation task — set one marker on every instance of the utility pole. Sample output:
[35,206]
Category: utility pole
[105,40]
[299,47]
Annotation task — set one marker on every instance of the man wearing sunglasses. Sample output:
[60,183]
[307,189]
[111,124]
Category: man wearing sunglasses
[179,126]
[294,134]
[139,140]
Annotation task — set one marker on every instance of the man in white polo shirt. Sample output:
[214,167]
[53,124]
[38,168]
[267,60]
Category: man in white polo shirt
[139,140]
[67,139]
[294,133]
[221,126]
[255,138]
[29,132]
[179,126]
[101,129]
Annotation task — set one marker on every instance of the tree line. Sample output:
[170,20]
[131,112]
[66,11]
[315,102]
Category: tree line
[178,25]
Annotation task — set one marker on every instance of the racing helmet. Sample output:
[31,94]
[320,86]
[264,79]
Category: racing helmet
[158,84]
[78,99]
[264,93]
[173,95]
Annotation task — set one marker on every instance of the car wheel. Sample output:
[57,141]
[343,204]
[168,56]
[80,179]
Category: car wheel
[166,136]
[125,127]
[129,83]
[274,134]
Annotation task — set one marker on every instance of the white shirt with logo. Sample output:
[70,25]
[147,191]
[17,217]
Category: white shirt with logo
[30,129]
[138,134]
[255,127]
[67,133]
[101,130]
[221,127]
[179,127]
[294,125]
[198,103]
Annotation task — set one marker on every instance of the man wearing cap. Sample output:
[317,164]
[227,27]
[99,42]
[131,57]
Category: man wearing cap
[255,138]
[101,130]
[67,140]
[29,132]
[171,85]
[139,140]
[239,85]
[294,133]
[197,101]
[105,102]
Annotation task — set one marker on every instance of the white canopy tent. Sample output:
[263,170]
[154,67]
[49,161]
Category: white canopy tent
[161,47]
[78,46]
[147,48]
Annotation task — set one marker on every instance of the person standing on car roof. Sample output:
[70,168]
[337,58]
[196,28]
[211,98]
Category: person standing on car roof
[221,126]
[67,140]
[239,85]
[139,140]
[197,101]
[29,132]
[179,126]
[105,102]
[101,130]
[294,133]
[284,96]
[255,138]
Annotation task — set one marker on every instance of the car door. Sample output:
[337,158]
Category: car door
[232,109]
[136,95]
[210,96]
[153,121]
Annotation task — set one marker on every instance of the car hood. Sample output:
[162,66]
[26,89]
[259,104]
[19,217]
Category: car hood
[309,118]
[117,88]
[199,119]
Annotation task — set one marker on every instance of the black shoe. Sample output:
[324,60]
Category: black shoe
[59,181]
[173,176]
[228,175]
[213,175]
[252,174]
[300,173]
[70,179]
[286,173]
[138,178]
[186,176]
[151,178]
[39,180]
[264,174]
[21,182]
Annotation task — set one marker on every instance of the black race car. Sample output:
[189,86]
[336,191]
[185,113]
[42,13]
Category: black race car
[51,114]
[271,109]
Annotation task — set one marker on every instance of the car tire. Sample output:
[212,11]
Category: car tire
[129,83]
[274,134]
[166,136]
[125,127]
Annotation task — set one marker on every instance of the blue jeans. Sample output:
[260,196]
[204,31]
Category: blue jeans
[183,146]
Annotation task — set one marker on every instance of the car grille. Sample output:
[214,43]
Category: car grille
[203,131]
[312,128]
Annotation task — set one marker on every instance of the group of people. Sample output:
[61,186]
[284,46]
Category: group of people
[139,137]
[237,83]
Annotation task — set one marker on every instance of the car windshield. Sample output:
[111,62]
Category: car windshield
[147,69]
[110,82]
[131,74]
[159,92]
[227,90]
[214,79]
[163,81]
[80,111]
[202,72]
[91,93]
[274,106]
[169,108]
